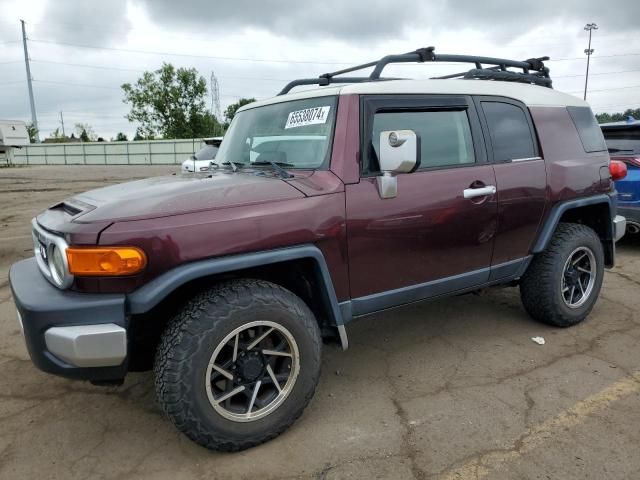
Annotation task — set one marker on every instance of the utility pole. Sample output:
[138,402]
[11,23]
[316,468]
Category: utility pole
[62,122]
[588,51]
[34,118]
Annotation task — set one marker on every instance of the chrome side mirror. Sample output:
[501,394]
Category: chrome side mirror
[399,153]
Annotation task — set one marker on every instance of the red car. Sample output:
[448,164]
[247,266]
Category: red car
[325,206]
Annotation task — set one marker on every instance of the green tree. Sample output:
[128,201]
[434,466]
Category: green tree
[85,132]
[56,137]
[231,110]
[170,103]
[618,117]
[32,131]
[121,137]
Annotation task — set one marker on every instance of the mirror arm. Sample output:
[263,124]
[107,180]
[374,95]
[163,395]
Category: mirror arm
[387,185]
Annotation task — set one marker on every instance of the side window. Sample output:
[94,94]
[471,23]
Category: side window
[588,129]
[511,136]
[445,136]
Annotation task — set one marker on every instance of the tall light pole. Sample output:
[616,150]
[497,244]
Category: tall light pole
[34,118]
[589,27]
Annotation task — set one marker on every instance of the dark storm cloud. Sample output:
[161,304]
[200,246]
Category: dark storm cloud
[500,17]
[381,19]
[294,19]
[95,22]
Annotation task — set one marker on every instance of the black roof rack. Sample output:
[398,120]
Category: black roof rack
[533,69]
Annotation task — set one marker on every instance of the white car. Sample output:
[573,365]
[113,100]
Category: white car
[201,160]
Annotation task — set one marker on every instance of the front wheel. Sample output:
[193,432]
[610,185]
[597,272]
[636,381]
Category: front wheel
[238,365]
[562,284]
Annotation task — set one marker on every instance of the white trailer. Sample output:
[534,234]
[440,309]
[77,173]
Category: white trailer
[13,134]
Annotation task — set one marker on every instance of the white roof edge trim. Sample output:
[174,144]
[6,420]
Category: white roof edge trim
[530,95]
[311,93]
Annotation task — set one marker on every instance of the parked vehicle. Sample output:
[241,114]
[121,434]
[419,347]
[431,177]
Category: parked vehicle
[13,134]
[201,160]
[623,140]
[376,194]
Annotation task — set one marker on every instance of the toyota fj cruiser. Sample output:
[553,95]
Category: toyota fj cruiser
[323,206]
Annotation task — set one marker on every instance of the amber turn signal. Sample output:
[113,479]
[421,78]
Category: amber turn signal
[105,261]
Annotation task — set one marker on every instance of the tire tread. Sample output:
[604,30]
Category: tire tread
[181,340]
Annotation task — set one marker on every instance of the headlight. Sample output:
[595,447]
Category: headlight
[57,264]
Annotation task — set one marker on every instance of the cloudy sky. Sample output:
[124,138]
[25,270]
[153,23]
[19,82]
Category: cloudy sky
[82,51]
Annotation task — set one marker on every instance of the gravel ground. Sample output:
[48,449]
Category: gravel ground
[448,389]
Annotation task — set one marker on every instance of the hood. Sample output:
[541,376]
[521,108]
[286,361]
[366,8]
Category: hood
[178,194]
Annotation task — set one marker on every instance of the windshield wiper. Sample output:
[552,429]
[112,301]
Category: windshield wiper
[277,166]
[234,165]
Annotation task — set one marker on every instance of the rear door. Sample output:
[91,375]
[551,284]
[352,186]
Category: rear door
[429,239]
[521,179]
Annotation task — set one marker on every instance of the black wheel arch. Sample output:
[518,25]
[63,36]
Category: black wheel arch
[596,212]
[300,269]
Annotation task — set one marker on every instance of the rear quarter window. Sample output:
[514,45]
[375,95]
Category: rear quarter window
[588,129]
[511,136]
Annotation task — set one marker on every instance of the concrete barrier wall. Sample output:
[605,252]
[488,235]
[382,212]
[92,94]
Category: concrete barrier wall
[148,152]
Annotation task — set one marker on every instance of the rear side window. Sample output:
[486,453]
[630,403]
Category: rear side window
[588,129]
[445,136]
[511,135]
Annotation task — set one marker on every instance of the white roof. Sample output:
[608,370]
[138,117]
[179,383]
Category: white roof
[530,95]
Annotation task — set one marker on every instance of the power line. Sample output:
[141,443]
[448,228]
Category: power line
[594,56]
[106,87]
[605,89]
[137,70]
[67,84]
[149,52]
[592,74]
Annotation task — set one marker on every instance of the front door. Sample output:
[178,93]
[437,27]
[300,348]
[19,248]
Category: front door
[437,234]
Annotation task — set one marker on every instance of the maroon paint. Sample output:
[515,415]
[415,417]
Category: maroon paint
[571,172]
[521,202]
[177,239]
[429,231]
[345,158]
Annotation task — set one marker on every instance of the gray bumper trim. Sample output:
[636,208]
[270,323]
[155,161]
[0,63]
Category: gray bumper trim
[103,345]
[619,227]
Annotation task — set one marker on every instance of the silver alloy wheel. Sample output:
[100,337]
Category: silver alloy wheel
[252,371]
[578,277]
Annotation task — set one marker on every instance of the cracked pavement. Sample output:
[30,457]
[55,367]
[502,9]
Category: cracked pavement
[449,389]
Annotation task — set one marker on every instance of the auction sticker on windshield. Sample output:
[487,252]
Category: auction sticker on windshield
[308,116]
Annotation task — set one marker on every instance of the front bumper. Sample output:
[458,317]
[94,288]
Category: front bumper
[74,335]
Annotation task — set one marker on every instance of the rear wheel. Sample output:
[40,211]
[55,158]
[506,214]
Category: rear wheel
[562,283]
[238,365]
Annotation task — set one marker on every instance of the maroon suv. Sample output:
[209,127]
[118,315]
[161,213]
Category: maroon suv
[323,206]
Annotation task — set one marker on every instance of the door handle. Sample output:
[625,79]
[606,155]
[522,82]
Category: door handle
[479,192]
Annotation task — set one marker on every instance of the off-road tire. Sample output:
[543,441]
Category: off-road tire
[191,337]
[540,286]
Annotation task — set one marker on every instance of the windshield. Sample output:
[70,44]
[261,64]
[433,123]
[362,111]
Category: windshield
[294,134]
[626,142]
[208,152]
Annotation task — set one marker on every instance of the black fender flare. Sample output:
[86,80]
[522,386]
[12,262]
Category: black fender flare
[559,209]
[148,296]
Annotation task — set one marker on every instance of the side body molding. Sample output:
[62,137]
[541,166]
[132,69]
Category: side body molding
[560,208]
[149,295]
